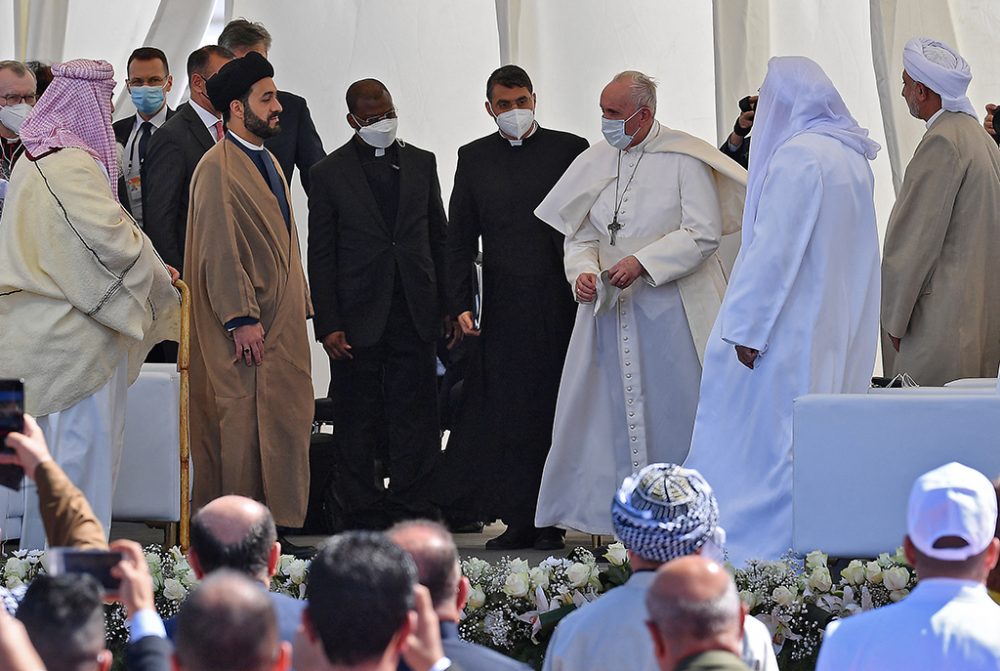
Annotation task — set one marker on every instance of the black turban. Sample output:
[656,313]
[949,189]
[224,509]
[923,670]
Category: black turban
[235,78]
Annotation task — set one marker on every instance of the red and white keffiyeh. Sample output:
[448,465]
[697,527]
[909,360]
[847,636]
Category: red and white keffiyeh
[75,111]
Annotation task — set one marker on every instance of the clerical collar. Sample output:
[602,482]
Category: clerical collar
[520,141]
[654,130]
[934,117]
[249,145]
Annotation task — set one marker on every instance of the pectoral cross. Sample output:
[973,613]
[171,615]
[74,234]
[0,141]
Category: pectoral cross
[613,229]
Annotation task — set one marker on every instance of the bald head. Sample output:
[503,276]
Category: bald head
[228,624]
[433,551]
[693,607]
[234,532]
[366,93]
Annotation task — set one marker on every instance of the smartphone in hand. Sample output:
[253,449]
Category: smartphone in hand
[11,420]
[96,563]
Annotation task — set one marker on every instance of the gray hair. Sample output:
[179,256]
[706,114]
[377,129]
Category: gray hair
[696,620]
[18,68]
[244,34]
[642,87]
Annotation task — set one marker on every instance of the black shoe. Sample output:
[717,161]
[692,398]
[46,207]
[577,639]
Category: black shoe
[297,551]
[513,539]
[465,527]
[549,538]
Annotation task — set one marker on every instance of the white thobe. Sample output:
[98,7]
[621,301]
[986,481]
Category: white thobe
[945,624]
[805,293]
[629,386]
[610,634]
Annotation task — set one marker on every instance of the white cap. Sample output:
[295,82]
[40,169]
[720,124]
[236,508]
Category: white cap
[953,500]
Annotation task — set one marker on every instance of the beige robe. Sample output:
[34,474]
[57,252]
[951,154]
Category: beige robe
[940,291]
[81,286]
[250,425]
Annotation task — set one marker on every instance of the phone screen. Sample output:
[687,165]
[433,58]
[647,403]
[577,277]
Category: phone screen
[96,563]
[11,409]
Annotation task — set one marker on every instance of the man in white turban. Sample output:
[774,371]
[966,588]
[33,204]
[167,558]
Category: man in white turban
[940,296]
[801,312]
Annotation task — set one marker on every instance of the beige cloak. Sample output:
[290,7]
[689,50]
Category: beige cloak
[940,293]
[81,286]
[250,425]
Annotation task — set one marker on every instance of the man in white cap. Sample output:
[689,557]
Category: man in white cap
[660,513]
[940,296]
[801,312]
[949,620]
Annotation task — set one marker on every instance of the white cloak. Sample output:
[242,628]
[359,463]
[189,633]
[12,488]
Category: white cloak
[805,292]
[628,392]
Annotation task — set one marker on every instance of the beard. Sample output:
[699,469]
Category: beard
[258,126]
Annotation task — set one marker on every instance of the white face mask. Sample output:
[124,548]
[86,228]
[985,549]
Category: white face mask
[12,116]
[614,132]
[515,123]
[380,134]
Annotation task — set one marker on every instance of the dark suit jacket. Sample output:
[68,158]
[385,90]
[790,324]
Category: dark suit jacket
[354,254]
[298,143]
[123,128]
[151,653]
[471,656]
[742,153]
[173,154]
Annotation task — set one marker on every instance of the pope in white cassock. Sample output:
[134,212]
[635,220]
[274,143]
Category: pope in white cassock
[802,309]
[642,214]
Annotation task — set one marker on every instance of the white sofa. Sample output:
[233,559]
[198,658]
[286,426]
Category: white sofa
[149,477]
[855,457]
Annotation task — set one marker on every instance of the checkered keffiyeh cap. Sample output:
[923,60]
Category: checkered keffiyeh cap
[665,511]
[75,111]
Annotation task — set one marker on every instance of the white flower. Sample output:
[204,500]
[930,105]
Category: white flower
[539,577]
[749,598]
[820,579]
[477,598]
[578,574]
[896,578]
[616,554]
[517,585]
[873,572]
[519,566]
[173,590]
[16,568]
[854,573]
[284,563]
[783,596]
[297,571]
[13,581]
[816,559]
[898,595]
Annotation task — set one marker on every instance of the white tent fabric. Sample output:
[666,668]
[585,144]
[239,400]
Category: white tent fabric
[434,55]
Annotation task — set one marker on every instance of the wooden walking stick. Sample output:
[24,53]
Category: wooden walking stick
[183,361]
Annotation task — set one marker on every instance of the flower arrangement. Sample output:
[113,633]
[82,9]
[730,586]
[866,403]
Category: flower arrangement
[514,607]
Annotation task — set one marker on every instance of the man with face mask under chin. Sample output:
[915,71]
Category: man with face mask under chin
[377,276]
[17,97]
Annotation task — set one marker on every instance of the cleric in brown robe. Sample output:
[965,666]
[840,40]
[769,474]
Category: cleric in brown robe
[251,387]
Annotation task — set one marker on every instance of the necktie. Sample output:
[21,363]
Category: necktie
[218,130]
[145,130]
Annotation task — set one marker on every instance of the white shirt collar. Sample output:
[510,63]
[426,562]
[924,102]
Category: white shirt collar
[248,145]
[207,118]
[654,130]
[934,117]
[157,119]
[520,141]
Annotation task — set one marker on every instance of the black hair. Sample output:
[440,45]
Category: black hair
[198,60]
[359,569]
[64,618]
[363,88]
[148,54]
[510,76]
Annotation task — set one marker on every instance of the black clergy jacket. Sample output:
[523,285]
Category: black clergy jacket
[354,254]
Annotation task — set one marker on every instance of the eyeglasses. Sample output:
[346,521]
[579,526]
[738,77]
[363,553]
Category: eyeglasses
[152,81]
[16,98]
[391,114]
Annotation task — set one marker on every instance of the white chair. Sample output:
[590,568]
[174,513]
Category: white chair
[855,457]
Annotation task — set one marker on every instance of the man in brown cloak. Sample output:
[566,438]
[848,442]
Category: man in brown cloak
[251,388]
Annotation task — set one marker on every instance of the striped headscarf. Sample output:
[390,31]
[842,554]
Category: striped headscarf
[75,111]
[665,511]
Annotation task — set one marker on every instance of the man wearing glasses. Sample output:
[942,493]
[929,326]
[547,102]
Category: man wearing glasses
[17,97]
[376,272]
[149,81]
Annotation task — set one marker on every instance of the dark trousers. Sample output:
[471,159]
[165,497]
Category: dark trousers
[390,390]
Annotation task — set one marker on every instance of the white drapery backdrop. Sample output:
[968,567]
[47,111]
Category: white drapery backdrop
[435,55]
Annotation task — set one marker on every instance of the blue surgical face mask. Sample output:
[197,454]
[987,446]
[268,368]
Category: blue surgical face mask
[147,99]
[614,132]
